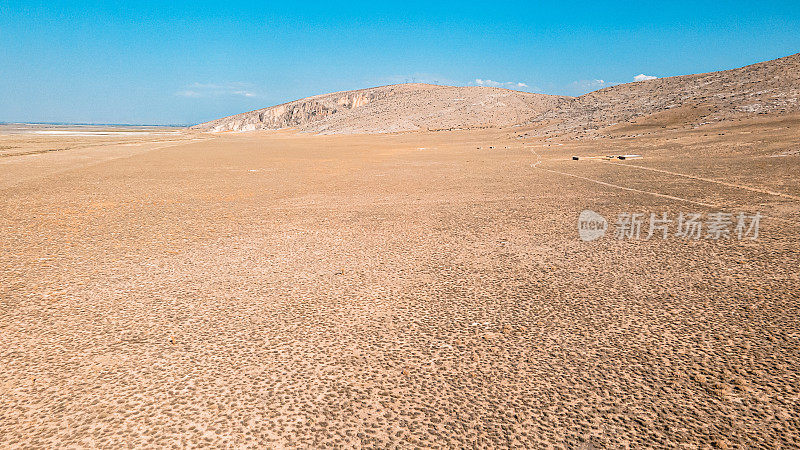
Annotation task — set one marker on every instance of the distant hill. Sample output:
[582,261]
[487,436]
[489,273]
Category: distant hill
[386,109]
[771,87]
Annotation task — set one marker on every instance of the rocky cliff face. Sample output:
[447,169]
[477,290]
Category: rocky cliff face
[296,114]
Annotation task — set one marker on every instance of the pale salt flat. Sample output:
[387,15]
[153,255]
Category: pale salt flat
[100,133]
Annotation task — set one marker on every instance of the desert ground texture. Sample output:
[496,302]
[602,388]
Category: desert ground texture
[273,289]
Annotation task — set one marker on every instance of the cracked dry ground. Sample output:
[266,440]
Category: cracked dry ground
[272,290]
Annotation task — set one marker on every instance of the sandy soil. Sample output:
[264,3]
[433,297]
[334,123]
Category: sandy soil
[279,290]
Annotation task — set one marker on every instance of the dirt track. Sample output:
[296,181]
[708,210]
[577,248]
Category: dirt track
[398,290]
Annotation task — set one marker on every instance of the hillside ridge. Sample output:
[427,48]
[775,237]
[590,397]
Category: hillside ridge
[766,87]
[392,108]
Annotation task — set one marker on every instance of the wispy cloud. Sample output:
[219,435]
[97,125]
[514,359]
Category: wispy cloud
[501,84]
[643,77]
[427,78]
[205,90]
[594,84]
[581,87]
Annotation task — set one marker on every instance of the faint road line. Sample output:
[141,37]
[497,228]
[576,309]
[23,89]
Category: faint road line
[671,197]
[638,191]
[708,180]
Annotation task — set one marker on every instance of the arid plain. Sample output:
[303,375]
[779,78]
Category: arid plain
[429,289]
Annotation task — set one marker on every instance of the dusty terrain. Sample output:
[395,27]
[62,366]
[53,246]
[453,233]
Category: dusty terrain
[273,289]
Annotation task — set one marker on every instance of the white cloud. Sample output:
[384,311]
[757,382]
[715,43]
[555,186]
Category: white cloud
[205,90]
[442,80]
[581,87]
[427,78]
[188,93]
[500,84]
[593,84]
[643,77]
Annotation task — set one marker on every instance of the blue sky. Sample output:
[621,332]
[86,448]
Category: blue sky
[183,62]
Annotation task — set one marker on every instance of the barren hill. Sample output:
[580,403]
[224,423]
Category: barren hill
[386,109]
[763,88]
